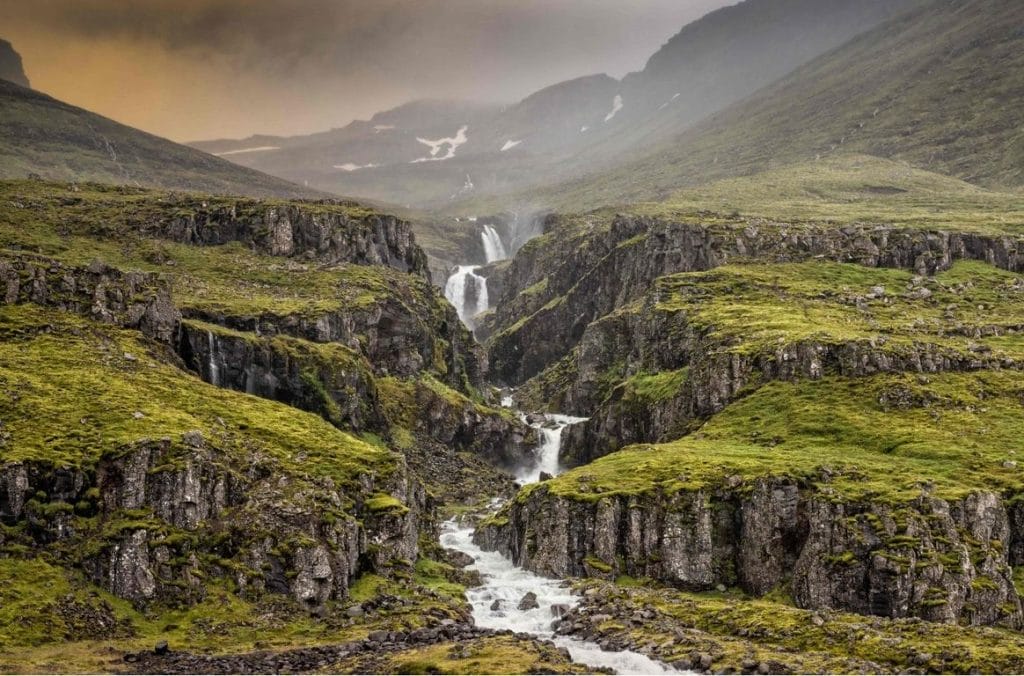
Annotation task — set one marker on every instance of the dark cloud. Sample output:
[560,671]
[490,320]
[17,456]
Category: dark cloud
[344,58]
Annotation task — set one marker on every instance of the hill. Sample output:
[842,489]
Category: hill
[11,68]
[430,154]
[935,87]
[43,136]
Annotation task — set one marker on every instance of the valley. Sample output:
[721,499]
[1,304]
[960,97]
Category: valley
[711,367]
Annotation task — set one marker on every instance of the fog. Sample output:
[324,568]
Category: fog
[194,69]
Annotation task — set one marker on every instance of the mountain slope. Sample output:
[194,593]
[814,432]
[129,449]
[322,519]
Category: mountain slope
[937,87]
[571,127]
[44,136]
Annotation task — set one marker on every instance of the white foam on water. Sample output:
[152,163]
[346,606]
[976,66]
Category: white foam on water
[507,584]
[457,291]
[509,145]
[494,250]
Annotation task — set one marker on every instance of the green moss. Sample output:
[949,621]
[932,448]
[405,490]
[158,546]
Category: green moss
[793,429]
[382,502]
[73,373]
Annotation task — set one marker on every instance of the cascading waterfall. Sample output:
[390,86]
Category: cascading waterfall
[551,445]
[494,250]
[467,291]
[496,602]
[213,368]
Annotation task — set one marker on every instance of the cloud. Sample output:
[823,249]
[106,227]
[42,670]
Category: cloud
[340,58]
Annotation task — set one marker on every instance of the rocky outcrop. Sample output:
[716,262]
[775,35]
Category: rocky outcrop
[941,560]
[155,521]
[11,68]
[327,379]
[134,300]
[714,377]
[324,231]
[557,286]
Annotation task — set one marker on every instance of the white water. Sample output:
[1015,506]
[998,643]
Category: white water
[494,250]
[456,288]
[213,368]
[551,444]
[507,584]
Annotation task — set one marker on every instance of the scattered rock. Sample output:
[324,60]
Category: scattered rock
[161,648]
[529,602]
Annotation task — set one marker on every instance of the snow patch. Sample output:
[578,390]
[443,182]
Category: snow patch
[584,128]
[258,149]
[452,142]
[348,166]
[509,145]
[616,107]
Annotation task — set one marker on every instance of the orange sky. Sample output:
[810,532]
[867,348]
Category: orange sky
[200,69]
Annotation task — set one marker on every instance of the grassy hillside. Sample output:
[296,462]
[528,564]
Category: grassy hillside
[937,88]
[849,188]
[43,136]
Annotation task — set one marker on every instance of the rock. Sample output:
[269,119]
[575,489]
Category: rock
[1010,464]
[528,602]
[559,609]
[161,648]
[682,664]
[378,636]
[764,668]
[544,476]
[355,611]
[704,661]
[496,605]
[457,558]
[748,665]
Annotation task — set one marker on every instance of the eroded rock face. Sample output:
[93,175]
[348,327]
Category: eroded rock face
[11,68]
[169,515]
[939,560]
[134,300]
[299,231]
[578,280]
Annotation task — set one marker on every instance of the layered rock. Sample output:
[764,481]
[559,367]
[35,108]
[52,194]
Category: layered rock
[134,300]
[941,560]
[329,232]
[153,522]
[559,284]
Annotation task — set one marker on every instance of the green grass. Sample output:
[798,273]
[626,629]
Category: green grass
[777,631]
[110,224]
[755,308]
[952,439]
[74,374]
[849,189]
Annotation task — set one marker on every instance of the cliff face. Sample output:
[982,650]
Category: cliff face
[939,560]
[11,68]
[329,236]
[152,522]
[560,284]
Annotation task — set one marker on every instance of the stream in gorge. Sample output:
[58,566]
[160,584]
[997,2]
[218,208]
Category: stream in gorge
[496,602]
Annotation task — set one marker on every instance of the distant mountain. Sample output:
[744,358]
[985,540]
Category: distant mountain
[11,68]
[431,153]
[938,87]
[43,136]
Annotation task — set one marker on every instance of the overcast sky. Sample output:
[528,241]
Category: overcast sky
[199,69]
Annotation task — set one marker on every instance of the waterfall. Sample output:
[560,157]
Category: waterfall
[467,291]
[214,369]
[494,250]
[550,446]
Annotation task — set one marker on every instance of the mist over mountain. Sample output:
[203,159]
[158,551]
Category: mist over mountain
[570,127]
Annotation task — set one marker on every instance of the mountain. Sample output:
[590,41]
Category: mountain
[46,137]
[571,127]
[936,87]
[11,68]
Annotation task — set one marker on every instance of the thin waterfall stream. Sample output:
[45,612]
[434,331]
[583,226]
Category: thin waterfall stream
[497,602]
